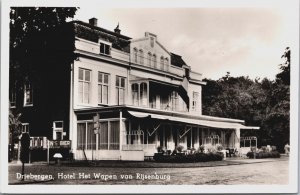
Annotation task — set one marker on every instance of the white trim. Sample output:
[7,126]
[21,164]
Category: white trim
[201,122]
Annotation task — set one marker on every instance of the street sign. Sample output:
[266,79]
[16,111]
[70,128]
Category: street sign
[59,144]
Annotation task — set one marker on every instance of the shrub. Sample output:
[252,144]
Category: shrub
[181,158]
[252,149]
[272,154]
[159,149]
[201,148]
[179,148]
[210,148]
[219,147]
[264,148]
[274,148]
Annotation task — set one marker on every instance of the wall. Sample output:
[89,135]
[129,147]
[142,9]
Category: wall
[95,67]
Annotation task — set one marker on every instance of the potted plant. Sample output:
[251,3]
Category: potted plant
[201,148]
[219,147]
[159,149]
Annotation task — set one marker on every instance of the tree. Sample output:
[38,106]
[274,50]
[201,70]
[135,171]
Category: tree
[284,76]
[15,131]
[278,114]
[29,45]
[262,103]
[27,26]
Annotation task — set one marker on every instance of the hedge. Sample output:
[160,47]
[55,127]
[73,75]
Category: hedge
[181,158]
[272,154]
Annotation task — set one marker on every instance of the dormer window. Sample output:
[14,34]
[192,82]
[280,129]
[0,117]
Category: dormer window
[105,47]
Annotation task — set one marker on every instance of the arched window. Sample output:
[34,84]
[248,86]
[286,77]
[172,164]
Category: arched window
[141,57]
[149,59]
[162,63]
[135,55]
[166,64]
[154,61]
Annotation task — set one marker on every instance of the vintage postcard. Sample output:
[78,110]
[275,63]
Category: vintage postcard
[149,96]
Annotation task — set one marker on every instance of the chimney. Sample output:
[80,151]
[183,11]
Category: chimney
[93,21]
[117,29]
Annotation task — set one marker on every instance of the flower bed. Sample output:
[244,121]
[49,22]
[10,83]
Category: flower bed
[272,154]
[182,158]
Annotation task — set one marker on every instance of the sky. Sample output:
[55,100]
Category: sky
[245,41]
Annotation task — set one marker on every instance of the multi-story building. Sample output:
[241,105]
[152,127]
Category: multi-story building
[119,98]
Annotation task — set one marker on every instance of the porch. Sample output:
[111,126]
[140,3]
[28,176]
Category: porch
[131,133]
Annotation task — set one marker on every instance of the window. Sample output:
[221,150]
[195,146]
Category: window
[166,64]
[120,90]
[141,57]
[25,128]
[162,63]
[143,94]
[154,61]
[195,101]
[28,94]
[135,55]
[12,97]
[174,101]
[58,130]
[114,136]
[139,94]
[104,48]
[103,138]
[135,94]
[152,102]
[152,41]
[149,59]
[103,88]
[84,79]
[109,137]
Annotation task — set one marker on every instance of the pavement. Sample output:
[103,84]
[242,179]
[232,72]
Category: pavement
[143,164]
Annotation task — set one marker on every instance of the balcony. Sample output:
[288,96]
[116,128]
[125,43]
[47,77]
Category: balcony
[154,94]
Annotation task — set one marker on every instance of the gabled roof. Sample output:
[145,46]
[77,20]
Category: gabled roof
[177,60]
[94,33]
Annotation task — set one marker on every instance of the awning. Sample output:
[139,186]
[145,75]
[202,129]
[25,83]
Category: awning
[205,123]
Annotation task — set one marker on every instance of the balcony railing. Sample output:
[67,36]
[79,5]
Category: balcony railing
[156,64]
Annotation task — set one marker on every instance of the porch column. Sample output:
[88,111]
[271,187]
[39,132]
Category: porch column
[223,138]
[237,138]
[197,142]
[121,132]
[202,136]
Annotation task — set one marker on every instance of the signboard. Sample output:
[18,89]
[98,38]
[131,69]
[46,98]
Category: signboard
[59,143]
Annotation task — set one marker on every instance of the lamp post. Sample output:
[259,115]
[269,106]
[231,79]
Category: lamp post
[96,119]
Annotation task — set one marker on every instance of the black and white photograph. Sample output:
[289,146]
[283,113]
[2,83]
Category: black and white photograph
[150,97]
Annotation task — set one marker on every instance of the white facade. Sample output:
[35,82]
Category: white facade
[136,94]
